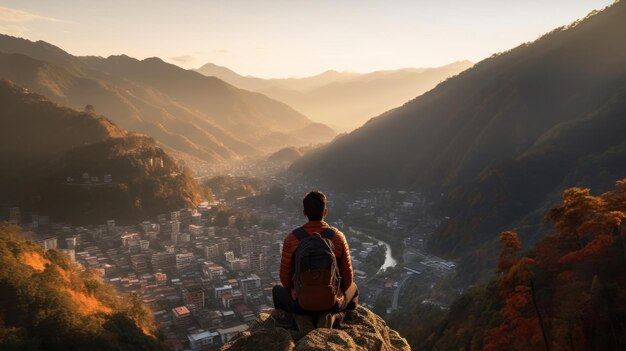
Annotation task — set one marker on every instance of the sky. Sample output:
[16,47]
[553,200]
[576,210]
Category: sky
[291,38]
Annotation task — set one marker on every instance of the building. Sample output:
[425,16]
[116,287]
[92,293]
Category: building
[203,339]
[184,261]
[257,262]
[212,271]
[49,243]
[226,289]
[251,288]
[139,264]
[175,230]
[227,334]
[194,295]
[161,278]
[196,230]
[212,252]
[71,243]
[229,300]
[238,264]
[245,245]
[163,261]
[181,317]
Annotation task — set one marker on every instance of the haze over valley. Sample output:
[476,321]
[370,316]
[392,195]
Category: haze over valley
[475,164]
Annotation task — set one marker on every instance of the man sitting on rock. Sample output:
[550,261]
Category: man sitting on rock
[315,270]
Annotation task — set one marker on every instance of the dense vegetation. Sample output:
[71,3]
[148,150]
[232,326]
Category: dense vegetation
[567,293]
[49,303]
[523,125]
[54,160]
[230,188]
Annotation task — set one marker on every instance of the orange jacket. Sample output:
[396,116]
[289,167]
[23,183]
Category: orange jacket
[342,253]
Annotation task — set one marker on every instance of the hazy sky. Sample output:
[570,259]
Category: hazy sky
[282,38]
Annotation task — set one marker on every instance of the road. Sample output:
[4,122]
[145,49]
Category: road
[396,293]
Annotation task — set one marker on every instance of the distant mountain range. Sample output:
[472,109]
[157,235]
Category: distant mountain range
[497,144]
[188,113]
[344,100]
[81,167]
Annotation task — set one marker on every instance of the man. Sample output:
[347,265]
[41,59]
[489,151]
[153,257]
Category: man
[288,297]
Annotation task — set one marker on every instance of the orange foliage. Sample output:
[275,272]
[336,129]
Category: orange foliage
[34,260]
[88,304]
[594,249]
[567,270]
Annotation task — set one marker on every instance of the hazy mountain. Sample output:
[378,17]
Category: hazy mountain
[80,167]
[185,111]
[502,139]
[344,99]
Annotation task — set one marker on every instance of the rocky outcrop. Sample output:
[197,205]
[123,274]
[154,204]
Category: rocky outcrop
[360,330]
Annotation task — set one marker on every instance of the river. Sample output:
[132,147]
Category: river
[389,260]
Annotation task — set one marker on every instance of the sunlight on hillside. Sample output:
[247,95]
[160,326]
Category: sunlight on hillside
[88,304]
[34,260]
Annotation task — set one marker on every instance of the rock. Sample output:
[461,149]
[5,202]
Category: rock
[360,330]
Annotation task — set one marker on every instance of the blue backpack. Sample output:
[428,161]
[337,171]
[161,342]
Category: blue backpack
[316,275]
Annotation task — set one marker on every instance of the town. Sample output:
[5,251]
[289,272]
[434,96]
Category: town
[207,272]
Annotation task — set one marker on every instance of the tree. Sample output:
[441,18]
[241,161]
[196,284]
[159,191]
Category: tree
[511,247]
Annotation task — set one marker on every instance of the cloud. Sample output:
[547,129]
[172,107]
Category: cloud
[221,51]
[184,59]
[13,21]
[8,15]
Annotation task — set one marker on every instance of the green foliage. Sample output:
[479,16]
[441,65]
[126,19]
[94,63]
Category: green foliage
[48,303]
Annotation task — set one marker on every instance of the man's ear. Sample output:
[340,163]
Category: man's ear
[325,212]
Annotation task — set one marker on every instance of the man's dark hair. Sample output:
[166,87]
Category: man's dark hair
[314,205]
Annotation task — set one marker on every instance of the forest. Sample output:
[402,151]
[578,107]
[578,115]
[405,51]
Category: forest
[566,293]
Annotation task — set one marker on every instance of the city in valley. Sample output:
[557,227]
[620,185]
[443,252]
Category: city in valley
[208,272]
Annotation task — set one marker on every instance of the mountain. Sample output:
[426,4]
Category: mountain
[360,330]
[343,99]
[202,117]
[81,167]
[567,293]
[286,155]
[50,303]
[499,142]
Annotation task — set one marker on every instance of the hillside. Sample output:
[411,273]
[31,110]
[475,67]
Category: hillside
[49,303]
[202,117]
[61,170]
[567,293]
[344,99]
[523,125]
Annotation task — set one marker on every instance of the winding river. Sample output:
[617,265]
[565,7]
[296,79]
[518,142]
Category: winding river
[389,260]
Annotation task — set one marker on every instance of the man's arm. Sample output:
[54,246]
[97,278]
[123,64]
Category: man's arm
[286,264]
[345,264]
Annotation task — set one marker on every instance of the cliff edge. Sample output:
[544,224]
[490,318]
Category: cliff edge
[360,330]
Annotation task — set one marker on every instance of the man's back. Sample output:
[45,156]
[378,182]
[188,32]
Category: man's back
[315,283]
[341,250]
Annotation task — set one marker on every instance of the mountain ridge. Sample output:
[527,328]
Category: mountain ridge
[509,127]
[63,172]
[198,116]
[344,98]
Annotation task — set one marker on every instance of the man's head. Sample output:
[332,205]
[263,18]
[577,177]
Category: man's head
[315,206]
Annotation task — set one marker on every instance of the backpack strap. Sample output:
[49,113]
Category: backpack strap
[328,233]
[300,233]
